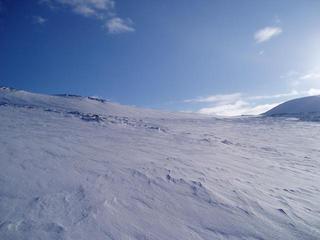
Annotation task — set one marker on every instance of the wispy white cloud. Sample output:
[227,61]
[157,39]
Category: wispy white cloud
[117,25]
[303,79]
[233,97]
[313,92]
[221,98]
[265,34]
[85,8]
[236,104]
[39,20]
[259,109]
[310,76]
[238,108]
[280,95]
[103,10]
[86,11]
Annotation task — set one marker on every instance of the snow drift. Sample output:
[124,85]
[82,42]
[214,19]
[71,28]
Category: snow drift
[74,167]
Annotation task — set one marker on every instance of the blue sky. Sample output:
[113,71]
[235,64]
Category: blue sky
[221,57]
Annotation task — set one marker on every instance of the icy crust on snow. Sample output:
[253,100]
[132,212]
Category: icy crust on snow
[64,177]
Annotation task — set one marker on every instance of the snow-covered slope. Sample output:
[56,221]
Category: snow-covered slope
[304,108]
[78,168]
[69,103]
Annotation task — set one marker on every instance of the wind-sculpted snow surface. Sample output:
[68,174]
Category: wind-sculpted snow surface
[78,168]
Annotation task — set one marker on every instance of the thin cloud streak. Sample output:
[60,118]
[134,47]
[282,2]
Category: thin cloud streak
[305,79]
[236,104]
[280,95]
[238,108]
[265,34]
[117,25]
[103,10]
[85,8]
[311,76]
[227,98]
[215,98]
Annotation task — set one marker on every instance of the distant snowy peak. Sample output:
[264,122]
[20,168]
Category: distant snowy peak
[306,108]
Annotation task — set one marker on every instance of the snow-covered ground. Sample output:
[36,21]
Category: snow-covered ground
[78,168]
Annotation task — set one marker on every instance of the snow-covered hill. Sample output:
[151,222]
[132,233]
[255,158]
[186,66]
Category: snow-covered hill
[73,167]
[306,108]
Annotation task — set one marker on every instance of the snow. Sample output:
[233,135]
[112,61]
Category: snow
[77,168]
[306,108]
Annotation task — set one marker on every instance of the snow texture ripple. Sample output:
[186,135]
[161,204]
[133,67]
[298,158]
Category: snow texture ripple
[73,167]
